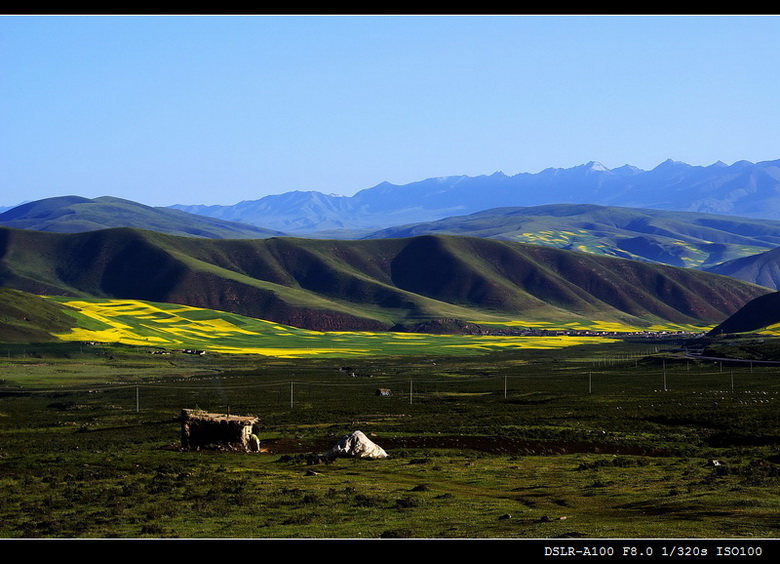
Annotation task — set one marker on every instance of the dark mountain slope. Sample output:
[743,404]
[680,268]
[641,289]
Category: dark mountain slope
[757,314]
[372,284]
[99,263]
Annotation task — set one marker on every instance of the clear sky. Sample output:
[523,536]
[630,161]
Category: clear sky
[220,109]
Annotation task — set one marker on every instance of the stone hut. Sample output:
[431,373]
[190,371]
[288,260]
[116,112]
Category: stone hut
[200,429]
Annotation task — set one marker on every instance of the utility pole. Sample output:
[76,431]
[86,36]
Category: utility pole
[664,364]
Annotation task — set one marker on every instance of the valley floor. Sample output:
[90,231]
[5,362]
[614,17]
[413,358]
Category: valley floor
[614,441]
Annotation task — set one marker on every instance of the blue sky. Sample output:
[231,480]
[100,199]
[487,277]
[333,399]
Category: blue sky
[220,109]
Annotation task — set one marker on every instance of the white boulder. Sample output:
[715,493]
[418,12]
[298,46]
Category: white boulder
[356,445]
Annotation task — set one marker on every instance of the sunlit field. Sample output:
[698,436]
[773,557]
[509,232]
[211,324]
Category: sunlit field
[133,322]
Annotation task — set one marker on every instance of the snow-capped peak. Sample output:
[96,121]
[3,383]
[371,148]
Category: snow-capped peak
[595,166]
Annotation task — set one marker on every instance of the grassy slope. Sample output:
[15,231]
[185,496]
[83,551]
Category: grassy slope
[25,318]
[368,285]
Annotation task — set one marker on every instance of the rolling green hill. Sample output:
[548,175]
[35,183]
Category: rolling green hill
[695,240]
[366,285]
[74,214]
[676,238]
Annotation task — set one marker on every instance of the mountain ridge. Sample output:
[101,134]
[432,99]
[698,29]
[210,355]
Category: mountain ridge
[75,214]
[377,284]
[743,189]
[688,239]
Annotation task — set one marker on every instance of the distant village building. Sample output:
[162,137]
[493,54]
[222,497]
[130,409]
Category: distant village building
[202,430]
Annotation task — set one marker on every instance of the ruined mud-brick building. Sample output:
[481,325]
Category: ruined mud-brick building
[200,429]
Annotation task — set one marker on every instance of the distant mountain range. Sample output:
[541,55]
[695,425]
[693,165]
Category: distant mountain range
[743,189]
[376,284]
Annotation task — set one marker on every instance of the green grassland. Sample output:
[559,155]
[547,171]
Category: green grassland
[608,440]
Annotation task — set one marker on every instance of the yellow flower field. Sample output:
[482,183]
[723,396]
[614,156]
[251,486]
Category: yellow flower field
[135,322]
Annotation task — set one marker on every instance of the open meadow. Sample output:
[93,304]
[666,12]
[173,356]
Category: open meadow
[607,439]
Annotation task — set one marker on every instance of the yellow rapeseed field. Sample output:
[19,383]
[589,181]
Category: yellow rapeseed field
[135,322]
